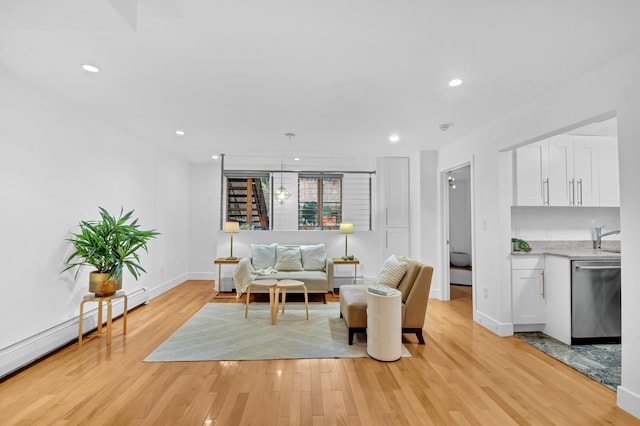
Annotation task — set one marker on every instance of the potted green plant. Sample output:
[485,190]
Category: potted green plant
[109,245]
[520,245]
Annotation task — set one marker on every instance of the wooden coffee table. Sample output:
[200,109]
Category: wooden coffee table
[273,301]
[283,285]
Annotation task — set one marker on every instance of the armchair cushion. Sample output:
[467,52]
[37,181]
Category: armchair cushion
[392,272]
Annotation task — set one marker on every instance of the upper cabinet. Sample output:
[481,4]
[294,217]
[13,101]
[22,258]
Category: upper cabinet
[568,171]
[609,175]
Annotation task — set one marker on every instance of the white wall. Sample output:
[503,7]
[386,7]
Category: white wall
[57,165]
[614,87]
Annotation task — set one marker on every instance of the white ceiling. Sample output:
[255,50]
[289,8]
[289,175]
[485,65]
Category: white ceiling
[342,75]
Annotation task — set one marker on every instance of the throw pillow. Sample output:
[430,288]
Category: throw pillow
[288,258]
[313,257]
[263,256]
[392,272]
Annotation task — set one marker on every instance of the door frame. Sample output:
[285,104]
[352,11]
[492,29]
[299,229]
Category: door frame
[444,201]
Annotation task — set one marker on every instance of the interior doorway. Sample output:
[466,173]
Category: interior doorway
[458,230]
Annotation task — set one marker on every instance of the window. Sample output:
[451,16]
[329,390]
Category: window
[248,200]
[319,202]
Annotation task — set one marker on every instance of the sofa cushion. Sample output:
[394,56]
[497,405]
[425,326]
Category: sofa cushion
[288,258]
[392,272]
[314,257]
[263,256]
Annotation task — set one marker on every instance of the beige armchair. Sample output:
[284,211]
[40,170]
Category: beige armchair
[415,287]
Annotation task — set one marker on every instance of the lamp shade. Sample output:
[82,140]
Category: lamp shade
[346,228]
[231,227]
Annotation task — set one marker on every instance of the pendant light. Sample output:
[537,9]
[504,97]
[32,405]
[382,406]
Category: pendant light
[282,194]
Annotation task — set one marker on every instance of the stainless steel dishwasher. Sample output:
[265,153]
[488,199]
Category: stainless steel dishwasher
[595,301]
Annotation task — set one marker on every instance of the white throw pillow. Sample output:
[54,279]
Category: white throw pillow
[392,272]
[313,257]
[288,258]
[263,256]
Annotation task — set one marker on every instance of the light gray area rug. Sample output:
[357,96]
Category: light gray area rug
[219,332]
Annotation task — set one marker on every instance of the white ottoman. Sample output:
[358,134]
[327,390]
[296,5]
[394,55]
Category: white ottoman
[384,326]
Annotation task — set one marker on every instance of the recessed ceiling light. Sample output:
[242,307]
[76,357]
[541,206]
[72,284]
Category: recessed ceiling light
[215,157]
[394,138]
[455,82]
[296,159]
[90,68]
[180,132]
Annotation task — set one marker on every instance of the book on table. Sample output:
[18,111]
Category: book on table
[382,290]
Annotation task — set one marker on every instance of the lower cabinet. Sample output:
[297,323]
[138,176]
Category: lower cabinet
[527,291]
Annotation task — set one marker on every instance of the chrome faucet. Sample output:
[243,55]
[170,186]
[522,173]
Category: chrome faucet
[597,242]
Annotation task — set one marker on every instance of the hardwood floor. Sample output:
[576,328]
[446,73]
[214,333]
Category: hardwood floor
[463,375]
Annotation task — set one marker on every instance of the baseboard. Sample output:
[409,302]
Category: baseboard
[202,276]
[168,285]
[24,352]
[435,294]
[629,401]
[497,327]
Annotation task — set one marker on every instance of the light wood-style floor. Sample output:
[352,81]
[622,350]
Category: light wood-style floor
[463,375]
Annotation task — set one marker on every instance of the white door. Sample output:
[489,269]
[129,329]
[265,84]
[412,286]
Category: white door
[396,241]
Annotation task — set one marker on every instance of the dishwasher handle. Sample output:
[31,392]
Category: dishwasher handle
[596,268]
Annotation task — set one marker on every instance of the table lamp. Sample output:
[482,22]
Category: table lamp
[346,229]
[231,228]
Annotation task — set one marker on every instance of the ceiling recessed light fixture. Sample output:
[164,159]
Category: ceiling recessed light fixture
[180,132]
[455,82]
[296,159]
[90,68]
[394,138]
[215,157]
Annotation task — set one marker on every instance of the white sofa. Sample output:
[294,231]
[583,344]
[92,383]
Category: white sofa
[304,262]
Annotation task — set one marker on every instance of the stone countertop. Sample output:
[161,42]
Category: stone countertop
[578,250]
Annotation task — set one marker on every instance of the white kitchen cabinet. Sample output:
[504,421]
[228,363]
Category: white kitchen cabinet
[585,172]
[558,296]
[609,172]
[565,170]
[530,174]
[528,299]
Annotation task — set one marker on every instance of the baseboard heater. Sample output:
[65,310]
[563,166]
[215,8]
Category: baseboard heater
[31,349]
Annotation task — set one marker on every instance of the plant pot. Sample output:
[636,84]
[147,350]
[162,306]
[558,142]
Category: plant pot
[100,286]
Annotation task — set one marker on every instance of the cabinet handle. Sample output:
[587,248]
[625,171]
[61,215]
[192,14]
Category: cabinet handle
[386,239]
[545,184]
[572,194]
[579,192]
[386,216]
[542,273]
